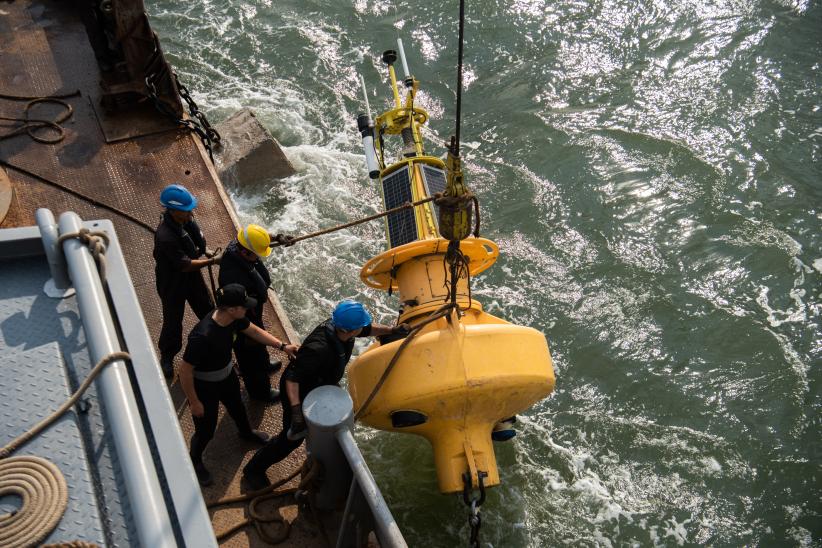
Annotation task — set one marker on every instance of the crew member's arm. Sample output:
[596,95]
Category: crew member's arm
[264,337]
[187,382]
[175,255]
[297,429]
[378,330]
[197,264]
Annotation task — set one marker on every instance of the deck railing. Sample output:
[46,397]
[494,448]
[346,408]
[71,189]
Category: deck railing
[329,414]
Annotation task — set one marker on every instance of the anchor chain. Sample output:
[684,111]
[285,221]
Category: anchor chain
[474,521]
[198,123]
[473,503]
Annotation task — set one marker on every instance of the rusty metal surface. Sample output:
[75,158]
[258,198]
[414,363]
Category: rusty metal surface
[44,49]
[5,194]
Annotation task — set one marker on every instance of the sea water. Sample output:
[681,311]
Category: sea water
[651,172]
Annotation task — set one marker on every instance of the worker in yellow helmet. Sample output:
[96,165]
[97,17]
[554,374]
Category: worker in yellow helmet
[242,264]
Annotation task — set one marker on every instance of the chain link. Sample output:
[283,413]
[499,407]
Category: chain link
[198,123]
[474,521]
[474,518]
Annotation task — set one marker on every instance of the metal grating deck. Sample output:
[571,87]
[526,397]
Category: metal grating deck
[44,50]
[44,356]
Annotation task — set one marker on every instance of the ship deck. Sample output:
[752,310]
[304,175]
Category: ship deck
[114,167]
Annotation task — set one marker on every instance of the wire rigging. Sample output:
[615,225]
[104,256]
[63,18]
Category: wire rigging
[456,144]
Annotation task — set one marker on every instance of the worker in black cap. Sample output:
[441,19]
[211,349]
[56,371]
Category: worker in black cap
[179,249]
[242,263]
[207,372]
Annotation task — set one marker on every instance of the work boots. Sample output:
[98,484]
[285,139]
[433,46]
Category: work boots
[273,396]
[256,436]
[203,475]
[273,367]
[255,479]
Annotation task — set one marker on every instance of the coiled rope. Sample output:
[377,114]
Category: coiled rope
[38,482]
[309,469]
[32,126]
[43,490]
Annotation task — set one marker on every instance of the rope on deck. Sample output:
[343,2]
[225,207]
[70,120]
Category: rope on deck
[310,470]
[35,127]
[38,482]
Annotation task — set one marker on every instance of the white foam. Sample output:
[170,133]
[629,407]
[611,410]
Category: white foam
[677,531]
[711,466]
[802,536]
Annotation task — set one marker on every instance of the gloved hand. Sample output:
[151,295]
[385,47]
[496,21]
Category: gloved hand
[298,428]
[291,350]
[216,256]
[402,330]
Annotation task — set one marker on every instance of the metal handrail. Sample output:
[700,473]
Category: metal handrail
[388,531]
[144,493]
[329,414]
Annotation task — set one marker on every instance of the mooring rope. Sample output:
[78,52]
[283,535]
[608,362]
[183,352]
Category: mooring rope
[310,468]
[281,239]
[441,312]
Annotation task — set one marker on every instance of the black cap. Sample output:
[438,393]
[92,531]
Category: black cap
[234,295]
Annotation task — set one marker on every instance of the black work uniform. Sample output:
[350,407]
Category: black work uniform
[174,247]
[252,357]
[209,352]
[320,361]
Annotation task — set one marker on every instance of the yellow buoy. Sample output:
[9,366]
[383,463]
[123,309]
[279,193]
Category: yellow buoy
[461,370]
[461,378]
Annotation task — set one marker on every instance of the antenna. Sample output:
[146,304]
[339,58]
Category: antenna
[365,96]
[402,58]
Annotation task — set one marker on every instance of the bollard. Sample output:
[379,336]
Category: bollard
[59,285]
[327,410]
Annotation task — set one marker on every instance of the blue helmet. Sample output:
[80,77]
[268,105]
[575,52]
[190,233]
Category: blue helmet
[178,197]
[350,315]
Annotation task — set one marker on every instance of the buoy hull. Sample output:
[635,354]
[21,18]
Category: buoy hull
[463,378]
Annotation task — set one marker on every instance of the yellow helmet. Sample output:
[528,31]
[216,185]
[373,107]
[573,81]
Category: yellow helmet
[255,239]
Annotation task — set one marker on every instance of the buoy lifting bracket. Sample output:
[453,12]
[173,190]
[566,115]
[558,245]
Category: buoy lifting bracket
[466,489]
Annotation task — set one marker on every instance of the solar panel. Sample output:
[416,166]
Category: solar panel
[402,225]
[434,180]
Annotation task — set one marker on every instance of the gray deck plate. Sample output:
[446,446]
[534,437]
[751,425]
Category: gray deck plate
[28,320]
[34,384]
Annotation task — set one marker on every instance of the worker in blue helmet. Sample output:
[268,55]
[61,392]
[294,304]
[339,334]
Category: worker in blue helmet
[179,254]
[320,361]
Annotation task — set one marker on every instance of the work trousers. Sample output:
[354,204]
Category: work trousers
[252,359]
[174,302]
[210,395]
[278,447]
